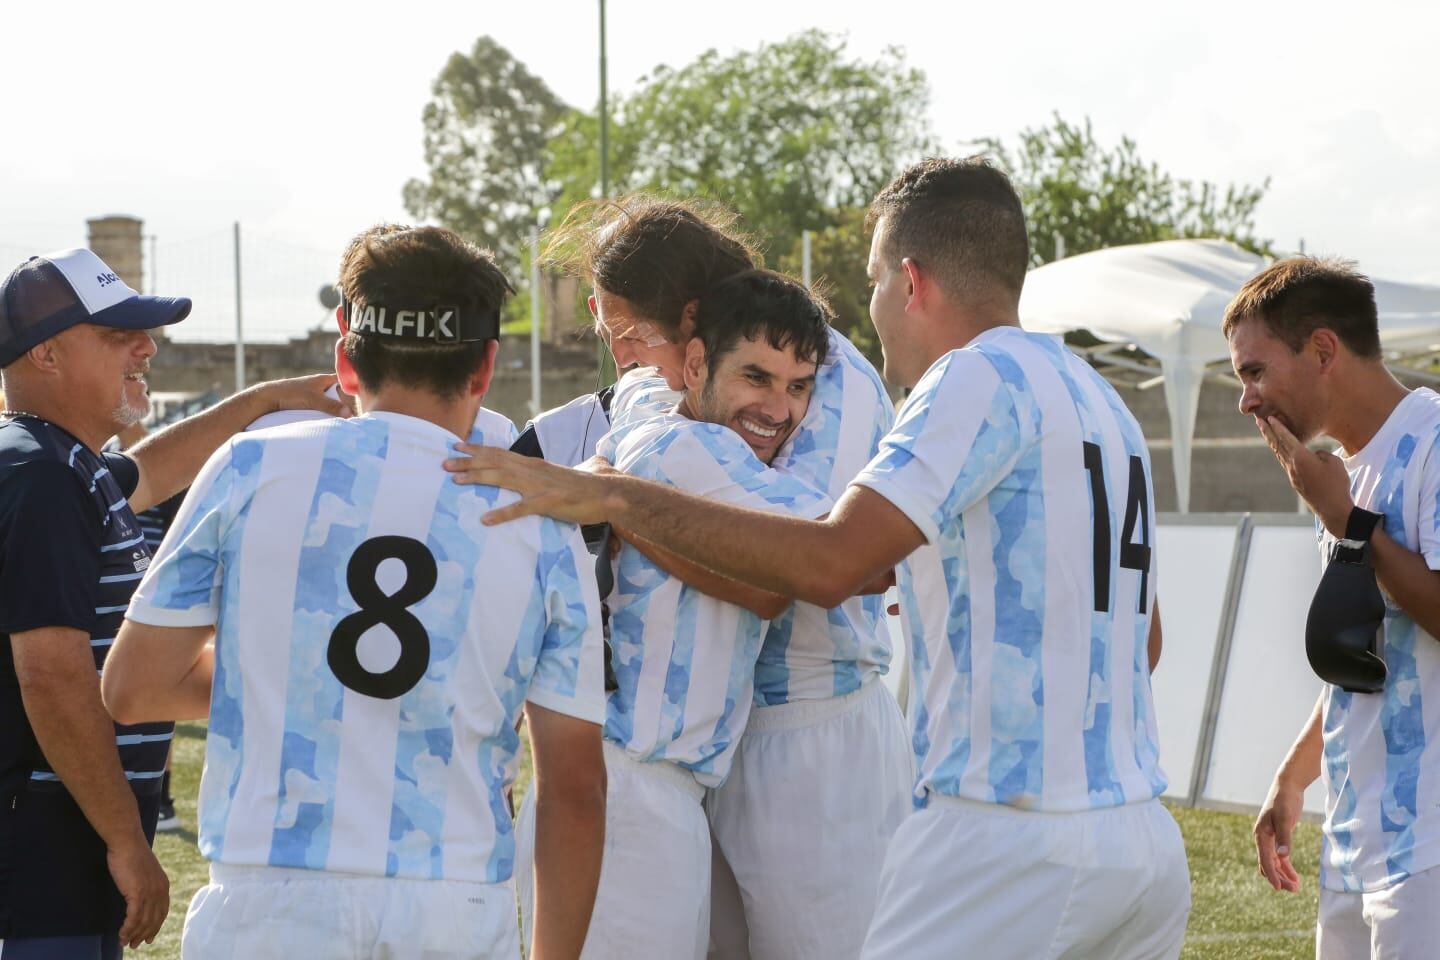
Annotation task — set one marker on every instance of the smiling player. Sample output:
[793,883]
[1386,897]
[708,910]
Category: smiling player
[684,661]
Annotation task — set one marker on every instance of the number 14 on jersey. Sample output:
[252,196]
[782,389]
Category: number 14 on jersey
[1133,555]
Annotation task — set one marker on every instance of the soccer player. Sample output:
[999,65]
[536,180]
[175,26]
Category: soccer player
[822,776]
[684,661]
[490,429]
[650,260]
[373,649]
[1305,342]
[1021,484]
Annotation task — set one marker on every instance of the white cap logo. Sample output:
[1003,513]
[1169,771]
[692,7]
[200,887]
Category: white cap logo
[94,283]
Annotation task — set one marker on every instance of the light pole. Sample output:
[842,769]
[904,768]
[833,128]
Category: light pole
[600,351]
[604,112]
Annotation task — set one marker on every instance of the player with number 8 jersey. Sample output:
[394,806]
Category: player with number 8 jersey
[374,645]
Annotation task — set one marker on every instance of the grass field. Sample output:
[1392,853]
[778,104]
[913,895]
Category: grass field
[1235,915]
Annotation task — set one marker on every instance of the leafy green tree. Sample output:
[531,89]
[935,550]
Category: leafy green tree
[1093,197]
[486,129]
[786,134]
[838,254]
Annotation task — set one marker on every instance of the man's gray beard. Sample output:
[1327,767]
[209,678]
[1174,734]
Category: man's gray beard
[126,415]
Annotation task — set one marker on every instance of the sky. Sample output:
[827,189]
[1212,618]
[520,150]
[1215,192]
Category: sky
[301,121]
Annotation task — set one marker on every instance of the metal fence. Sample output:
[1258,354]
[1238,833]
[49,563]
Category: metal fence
[278,281]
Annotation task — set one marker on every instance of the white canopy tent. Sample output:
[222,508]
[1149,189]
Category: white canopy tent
[1168,300]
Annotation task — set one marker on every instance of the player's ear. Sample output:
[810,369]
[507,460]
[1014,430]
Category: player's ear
[917,283]
[345,370]
[696,372]
[687,319]
[340,320]
[1326,345]
[480,382]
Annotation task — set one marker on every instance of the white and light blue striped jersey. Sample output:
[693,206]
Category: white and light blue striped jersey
[685,661]
[1029,607]
[1382,750]
[639,395]
[809,652]
[374,646]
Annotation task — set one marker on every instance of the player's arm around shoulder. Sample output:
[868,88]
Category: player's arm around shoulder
[168,460]
[762,603]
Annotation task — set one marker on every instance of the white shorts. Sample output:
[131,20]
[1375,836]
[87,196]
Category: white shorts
[965,878]
[1397,923]
[250,912]
[654,896]
[815,794]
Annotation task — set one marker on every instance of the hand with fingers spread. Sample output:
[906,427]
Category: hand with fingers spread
[545,489]
[142,882]
[1318,477]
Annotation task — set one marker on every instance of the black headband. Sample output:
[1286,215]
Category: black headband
[433,324]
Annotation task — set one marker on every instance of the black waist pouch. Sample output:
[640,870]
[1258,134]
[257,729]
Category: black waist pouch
[1344,635]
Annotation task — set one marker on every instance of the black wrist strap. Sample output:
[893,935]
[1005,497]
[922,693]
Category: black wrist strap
[1355,547]
[1361,524]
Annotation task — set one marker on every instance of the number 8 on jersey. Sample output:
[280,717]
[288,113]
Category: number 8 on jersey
[391,610]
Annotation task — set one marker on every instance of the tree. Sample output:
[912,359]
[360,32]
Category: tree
[1094,197]
[786,133]
[838,255]
[486,130]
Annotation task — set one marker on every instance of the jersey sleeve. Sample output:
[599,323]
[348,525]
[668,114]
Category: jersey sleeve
[569,673]
[1429,512]
[956,438]
[712,461]
[182,586]
[50,550]
[125,471]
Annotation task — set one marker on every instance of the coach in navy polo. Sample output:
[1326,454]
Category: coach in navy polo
[79,794]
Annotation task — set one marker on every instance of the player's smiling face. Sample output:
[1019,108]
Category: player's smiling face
[756,390]
[1276,381]
[635,341]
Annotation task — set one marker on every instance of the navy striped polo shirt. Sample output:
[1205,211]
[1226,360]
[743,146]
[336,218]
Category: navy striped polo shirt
[71,554]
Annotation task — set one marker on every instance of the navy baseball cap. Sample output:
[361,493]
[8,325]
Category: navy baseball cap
[45,295]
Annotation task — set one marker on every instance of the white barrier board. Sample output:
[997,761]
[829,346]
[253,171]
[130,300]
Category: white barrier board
[1269,688]
[1193,560]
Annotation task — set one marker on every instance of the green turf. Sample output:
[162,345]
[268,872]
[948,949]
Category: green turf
[1235,916]
[177,850]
